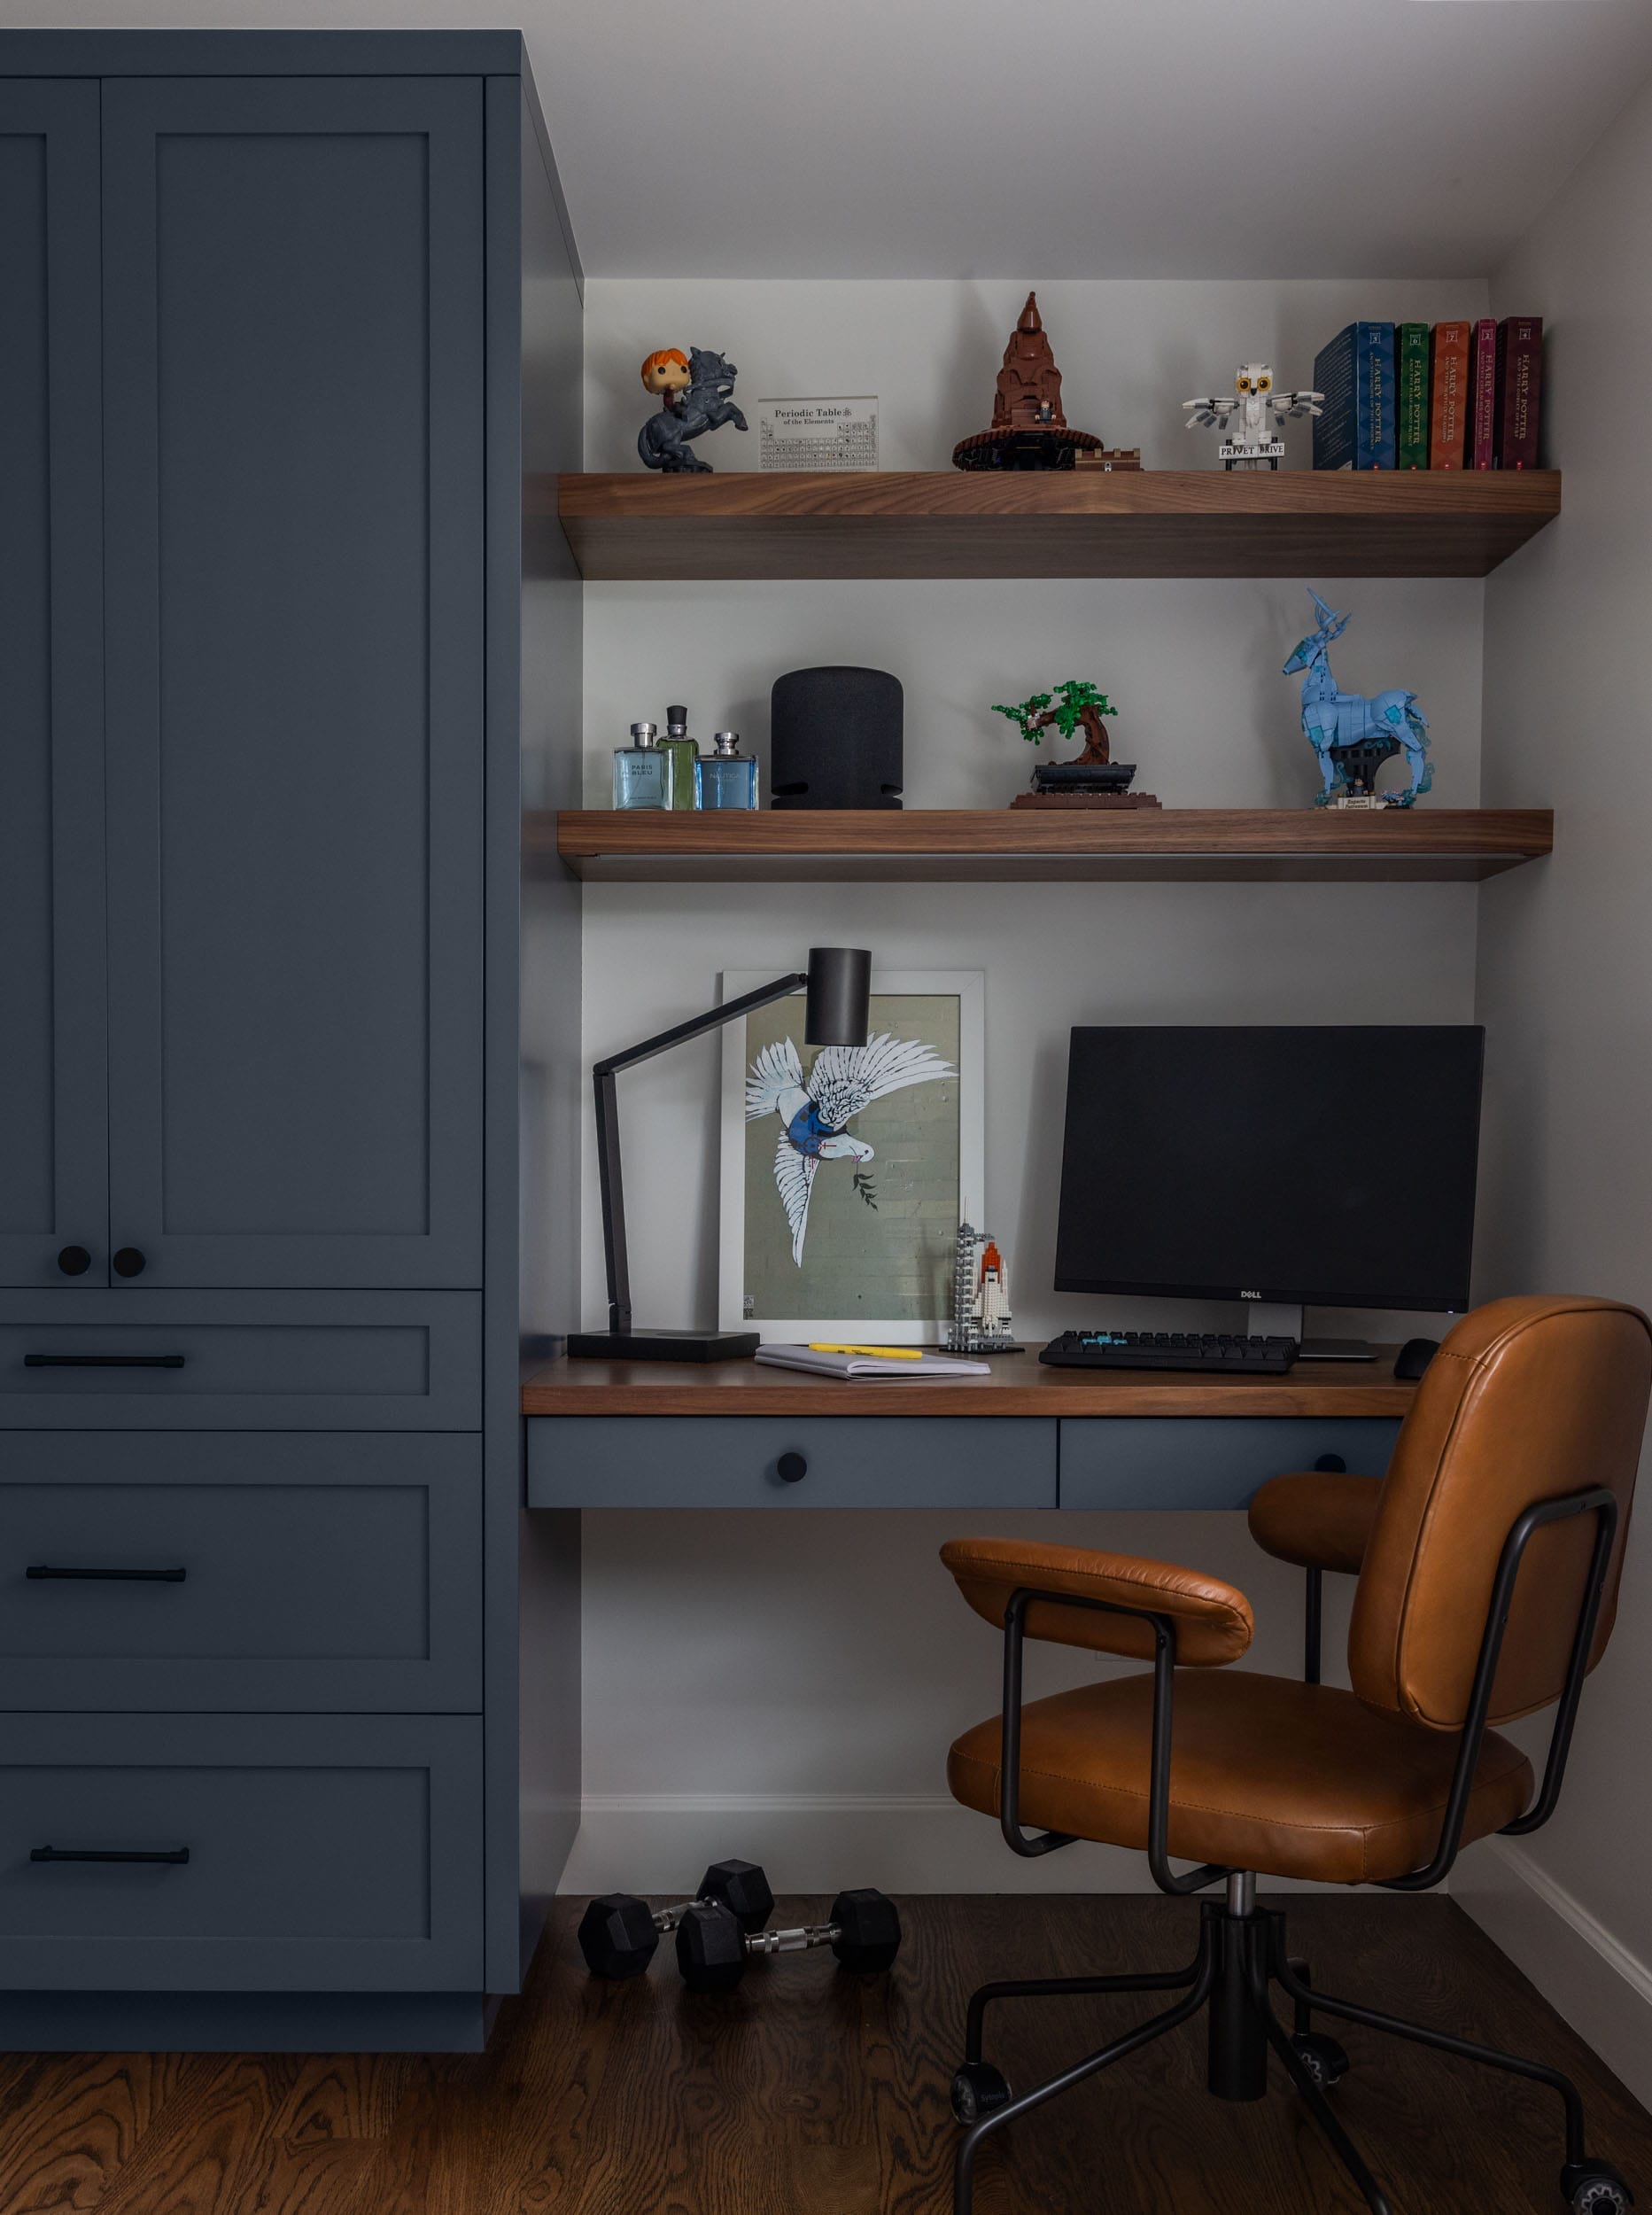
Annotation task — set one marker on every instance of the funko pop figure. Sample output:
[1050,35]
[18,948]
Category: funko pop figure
[665,374]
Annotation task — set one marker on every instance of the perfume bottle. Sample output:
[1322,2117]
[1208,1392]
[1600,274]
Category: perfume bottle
[681,752]
[642,771]
[727,778]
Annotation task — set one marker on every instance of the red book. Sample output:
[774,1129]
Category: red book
[1483,396]
[1448,389]
[1519,389]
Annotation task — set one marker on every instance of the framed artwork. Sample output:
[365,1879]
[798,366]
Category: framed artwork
[845,1169]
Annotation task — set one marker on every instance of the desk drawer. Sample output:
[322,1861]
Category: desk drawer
[848,1461]
[1206,1461]
[126,1359]
[218,1571]
[325,1854]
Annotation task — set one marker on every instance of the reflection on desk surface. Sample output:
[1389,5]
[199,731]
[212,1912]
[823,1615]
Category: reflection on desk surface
[1018,1385]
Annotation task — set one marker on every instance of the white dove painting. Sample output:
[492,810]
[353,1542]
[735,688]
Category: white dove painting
[815,1116]
[845,1166]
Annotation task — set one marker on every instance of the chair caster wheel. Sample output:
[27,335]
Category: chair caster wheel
[1594,2188]
[1324,2059]
[978,2090]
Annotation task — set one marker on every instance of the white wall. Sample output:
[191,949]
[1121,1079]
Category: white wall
[733,1663]
[1563,989]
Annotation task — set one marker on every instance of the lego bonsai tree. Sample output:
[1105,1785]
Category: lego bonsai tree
[1075,705]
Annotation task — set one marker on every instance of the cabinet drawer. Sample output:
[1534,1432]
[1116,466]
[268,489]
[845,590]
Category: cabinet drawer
[217,1571]
[1206,1461]
[125,1359]
[324,1853]
[848,1461]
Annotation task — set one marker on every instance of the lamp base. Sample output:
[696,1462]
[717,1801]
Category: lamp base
[664,1345]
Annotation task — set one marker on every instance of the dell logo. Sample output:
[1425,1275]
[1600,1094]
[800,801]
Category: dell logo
[1250,1296]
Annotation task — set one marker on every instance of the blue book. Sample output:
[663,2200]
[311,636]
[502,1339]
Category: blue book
[1357,426]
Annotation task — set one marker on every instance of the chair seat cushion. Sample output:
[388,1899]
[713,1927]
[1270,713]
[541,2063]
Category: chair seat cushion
[1266,1774]
[1316,1519]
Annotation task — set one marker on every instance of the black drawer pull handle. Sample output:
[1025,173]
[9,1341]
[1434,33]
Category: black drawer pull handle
[74,1261]
[41,1573]
[103,1361]
[792,1468]
[127,1261]
[173,1857]
[1330,1465]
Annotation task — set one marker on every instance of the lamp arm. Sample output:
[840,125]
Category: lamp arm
[697,1026]
[609,1172]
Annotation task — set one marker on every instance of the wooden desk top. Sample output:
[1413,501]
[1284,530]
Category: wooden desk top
[1020,1385]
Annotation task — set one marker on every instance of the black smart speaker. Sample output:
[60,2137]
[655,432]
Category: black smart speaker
[835,739]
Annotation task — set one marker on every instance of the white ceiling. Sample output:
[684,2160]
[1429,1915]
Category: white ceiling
[1035,138]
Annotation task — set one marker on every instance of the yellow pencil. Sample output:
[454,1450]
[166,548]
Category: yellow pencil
[882,1353]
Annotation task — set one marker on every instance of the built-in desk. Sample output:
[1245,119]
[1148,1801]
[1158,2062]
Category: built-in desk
[739,1435]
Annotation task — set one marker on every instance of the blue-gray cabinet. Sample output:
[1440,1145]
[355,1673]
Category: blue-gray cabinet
[293,345]
[53,1129]
[285,312]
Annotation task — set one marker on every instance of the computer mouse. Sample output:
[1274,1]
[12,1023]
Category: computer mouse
[1414,1357]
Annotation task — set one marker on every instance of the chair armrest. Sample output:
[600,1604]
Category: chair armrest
[1212,1621]
[1316,1519]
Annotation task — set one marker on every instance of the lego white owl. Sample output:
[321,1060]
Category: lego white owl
[1260,407]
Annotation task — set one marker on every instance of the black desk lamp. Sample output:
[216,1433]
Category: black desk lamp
[839,981]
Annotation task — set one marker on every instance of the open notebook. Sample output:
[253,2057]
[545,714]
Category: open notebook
[926,1368]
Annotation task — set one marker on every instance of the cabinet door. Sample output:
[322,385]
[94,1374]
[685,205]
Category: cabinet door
[53,1141]
[293,378]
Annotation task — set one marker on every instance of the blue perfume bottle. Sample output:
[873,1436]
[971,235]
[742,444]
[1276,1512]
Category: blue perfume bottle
[727,778]
[642,771]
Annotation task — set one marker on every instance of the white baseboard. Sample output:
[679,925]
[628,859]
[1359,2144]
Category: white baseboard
[1602,1989]
[919,1843]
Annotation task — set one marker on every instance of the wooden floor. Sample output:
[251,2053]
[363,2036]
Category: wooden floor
[809,2093]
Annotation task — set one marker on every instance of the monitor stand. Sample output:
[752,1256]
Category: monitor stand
[1261,1319]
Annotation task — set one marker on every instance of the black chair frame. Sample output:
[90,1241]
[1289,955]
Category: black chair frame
[1242,1949]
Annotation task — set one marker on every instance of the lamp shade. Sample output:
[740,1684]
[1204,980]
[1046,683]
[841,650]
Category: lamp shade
[840,995]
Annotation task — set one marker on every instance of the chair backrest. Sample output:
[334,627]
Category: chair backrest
[1526,1400]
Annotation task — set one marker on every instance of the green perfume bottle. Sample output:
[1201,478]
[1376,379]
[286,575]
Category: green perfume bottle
[682,753]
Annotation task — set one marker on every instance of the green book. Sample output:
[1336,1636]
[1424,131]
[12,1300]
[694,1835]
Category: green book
[1411,379]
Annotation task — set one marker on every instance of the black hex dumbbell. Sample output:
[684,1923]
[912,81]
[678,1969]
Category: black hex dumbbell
[618,1932]
[712,1950]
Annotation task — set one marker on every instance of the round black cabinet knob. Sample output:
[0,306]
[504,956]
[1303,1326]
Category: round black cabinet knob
[127,1262]
[793,1468]
[1330,1465]
[74,1260]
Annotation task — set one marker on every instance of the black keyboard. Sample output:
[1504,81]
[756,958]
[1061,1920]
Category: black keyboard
[1224,1351]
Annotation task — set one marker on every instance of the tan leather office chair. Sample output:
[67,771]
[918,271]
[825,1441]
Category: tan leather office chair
[1320,1520]
[1488,1582]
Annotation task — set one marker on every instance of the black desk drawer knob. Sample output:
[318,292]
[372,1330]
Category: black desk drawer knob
[74,1260]
[792,1468]
[127,1262]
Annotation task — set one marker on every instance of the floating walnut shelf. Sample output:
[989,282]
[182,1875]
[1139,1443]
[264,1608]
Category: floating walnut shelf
[944,845]
[1302,524]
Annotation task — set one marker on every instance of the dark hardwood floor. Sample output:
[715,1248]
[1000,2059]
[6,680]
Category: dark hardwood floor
[810,2093]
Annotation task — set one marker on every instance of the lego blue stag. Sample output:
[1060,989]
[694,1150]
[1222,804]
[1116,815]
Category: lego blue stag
[1353,736]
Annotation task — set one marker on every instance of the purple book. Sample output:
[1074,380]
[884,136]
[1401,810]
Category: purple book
[1483,396]
[1520,390]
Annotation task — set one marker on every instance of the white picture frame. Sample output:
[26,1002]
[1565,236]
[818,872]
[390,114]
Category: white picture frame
[932,1241]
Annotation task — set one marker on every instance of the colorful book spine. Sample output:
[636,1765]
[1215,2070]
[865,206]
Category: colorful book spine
[1411,389]
[1356,374]
[1448,395]
[1519,392]
[1483,396]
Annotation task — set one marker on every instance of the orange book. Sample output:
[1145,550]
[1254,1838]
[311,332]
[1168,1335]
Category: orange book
[1448,395]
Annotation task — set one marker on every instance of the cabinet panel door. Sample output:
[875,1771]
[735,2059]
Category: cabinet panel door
[53,1141]
[303,1852]
[294,513]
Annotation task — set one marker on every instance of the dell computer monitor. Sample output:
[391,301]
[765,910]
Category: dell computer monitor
[1329,1165]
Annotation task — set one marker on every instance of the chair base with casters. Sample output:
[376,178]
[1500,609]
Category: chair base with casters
[1245,1774]
[1241,1956]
